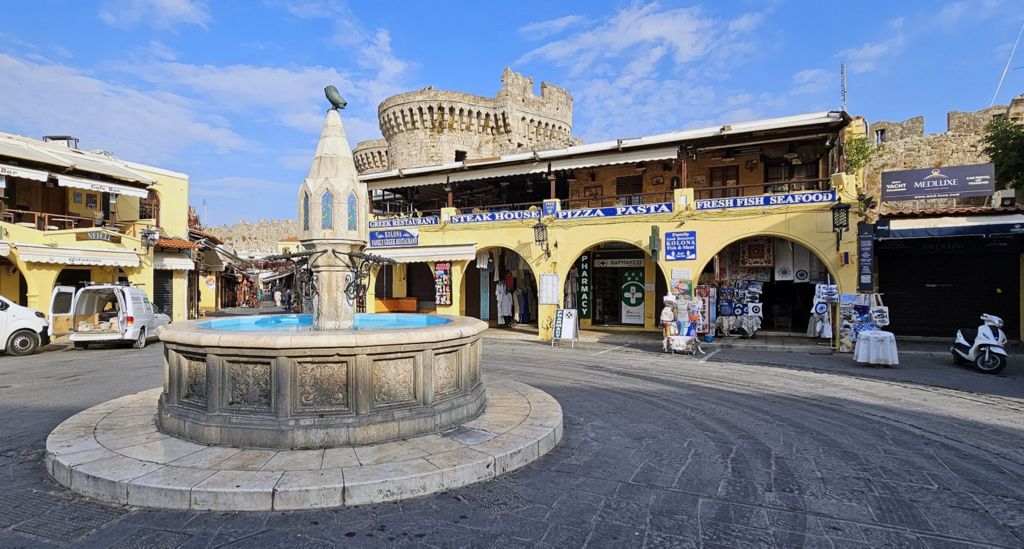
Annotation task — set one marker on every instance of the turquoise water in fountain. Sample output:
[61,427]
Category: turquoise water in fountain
[296,323]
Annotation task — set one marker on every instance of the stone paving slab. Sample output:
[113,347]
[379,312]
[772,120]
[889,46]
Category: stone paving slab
[113,452]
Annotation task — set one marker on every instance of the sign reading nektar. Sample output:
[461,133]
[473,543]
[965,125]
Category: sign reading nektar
[944,182]
[767,200]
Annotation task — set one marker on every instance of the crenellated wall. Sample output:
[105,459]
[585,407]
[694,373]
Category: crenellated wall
[371,156]
[429,126]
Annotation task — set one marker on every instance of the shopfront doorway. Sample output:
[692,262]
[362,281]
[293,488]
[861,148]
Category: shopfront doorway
[420,284]
[762,284]
[608,285]
[934,286]
[503,291]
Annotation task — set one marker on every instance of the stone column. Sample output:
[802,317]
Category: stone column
[333,308]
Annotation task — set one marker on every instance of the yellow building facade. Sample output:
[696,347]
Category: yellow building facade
[72,217]
[705,196]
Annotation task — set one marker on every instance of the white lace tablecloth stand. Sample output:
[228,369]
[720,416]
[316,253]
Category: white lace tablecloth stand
[876,347]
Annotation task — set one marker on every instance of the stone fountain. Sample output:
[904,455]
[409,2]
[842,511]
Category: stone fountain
[324,409]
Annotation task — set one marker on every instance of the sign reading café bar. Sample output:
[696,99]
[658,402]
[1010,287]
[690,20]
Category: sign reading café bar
[944,182]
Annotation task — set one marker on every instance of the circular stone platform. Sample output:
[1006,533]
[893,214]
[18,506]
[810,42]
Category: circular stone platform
[113,452]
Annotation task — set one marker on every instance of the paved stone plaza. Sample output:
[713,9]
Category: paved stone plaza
[794,449]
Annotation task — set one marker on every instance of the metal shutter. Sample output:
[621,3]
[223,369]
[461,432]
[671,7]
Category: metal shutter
[163,292]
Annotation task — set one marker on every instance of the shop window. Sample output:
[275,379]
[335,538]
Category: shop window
[722,177]
[630,189]
[460,156]
[327,210]
[353,212]
[305,211]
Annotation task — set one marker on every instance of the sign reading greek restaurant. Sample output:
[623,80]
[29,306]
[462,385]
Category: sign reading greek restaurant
[488,217]
[617,211]
[404,222]
[394,237]
[767,200]
[945,182]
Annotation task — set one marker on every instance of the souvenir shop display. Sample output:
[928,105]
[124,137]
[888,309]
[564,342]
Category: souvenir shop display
[443,283]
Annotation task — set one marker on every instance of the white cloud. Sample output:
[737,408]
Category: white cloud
[160,14]
[645,69]
[148,126]
[810,81]
[867,57]
[543,29]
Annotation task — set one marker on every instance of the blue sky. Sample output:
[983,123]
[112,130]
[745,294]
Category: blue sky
[230,91]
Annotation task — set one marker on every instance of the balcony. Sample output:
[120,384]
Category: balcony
[42,221]
[768,187]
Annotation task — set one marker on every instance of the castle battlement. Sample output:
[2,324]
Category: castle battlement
[431,126]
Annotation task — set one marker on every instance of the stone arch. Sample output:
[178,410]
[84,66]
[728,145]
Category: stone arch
[469,306]
[785,236]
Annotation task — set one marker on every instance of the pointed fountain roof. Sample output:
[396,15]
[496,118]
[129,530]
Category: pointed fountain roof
[332,151]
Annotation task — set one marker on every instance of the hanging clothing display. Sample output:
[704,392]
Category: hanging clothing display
[783,259]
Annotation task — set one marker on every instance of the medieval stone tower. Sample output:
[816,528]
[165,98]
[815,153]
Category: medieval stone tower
[430,126]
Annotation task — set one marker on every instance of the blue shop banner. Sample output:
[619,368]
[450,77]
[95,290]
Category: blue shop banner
[394,237]
[617,211]
[404,222]
[945,182]
[681,246]
[768,200]
[488,217]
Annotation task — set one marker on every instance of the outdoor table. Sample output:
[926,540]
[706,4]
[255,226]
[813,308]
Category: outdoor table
[876,347]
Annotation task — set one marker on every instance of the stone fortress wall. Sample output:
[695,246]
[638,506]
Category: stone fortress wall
[428,126]
[905,146]
[259,238]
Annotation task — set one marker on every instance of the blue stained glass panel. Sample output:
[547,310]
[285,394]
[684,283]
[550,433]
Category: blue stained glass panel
[327,211]
[305,211]
[353,215]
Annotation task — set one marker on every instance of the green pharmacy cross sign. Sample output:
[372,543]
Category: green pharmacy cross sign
[632,295]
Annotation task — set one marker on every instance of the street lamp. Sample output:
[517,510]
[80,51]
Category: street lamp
[840,220]
[540,237]
[149,238]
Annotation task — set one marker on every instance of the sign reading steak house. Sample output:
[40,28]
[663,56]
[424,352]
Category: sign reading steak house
[768,200]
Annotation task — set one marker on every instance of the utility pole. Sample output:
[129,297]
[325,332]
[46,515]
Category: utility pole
[1007,67]
[842,87]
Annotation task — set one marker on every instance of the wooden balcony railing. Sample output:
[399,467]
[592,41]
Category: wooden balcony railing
[616,200]
[43,221]
[773,187]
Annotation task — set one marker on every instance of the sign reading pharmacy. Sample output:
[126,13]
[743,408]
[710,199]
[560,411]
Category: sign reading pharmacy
[681,246]
[767,200]
[394,237]
[632,295]
[945,182]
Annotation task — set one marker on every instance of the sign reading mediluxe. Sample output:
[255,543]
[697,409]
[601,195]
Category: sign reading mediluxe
[944,182]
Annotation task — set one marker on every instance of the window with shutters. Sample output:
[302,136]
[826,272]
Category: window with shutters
[149,207]
[723,177]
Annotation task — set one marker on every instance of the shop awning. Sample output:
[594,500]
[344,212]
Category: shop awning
[171,262]
[24,173]
[212,261]
[100,186]
[419,254]
[613,159]
[275,276]
[5,249]
[36,253]
[978,225]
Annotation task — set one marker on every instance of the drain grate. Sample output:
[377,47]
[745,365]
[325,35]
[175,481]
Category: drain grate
[496,500]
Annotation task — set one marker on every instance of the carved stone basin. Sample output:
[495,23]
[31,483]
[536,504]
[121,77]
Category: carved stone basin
[319,389]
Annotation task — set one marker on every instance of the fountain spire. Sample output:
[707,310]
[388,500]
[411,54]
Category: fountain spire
[333,211]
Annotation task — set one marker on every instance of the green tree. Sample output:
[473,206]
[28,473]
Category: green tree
[858,153]
[1004,144]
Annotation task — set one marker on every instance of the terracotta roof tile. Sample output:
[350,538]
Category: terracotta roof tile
[966,210]
[176,243]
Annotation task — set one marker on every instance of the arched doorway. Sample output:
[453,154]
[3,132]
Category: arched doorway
[507,274]
[763,283]
[420,284]
[610,284]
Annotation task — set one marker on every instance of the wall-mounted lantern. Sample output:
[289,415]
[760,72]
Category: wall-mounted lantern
[840,220]
[540,237]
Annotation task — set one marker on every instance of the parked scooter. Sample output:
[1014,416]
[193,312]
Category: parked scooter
[984,347]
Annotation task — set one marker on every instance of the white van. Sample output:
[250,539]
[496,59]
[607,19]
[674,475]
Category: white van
[23,329]
[104,313]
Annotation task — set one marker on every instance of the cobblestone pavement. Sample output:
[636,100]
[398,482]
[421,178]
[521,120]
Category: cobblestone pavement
[659,451]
